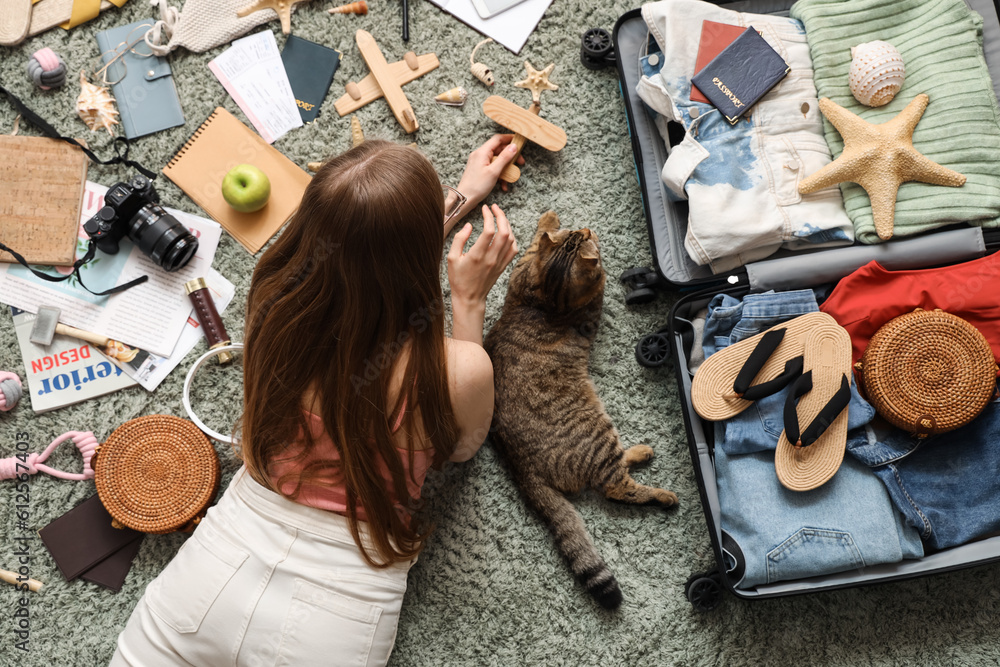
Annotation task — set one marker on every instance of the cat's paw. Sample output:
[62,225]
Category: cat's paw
[638,454]
[665,498]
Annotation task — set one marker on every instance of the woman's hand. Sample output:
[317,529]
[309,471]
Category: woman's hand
[482,171]
[473,274]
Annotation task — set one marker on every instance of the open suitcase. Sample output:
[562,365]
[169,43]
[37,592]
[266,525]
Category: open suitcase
[785,270]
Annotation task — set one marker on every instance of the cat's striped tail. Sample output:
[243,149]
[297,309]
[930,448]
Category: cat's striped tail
[574,543]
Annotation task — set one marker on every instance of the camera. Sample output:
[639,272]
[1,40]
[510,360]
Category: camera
[133,209]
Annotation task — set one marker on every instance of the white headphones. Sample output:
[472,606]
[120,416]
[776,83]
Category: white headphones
[187,390]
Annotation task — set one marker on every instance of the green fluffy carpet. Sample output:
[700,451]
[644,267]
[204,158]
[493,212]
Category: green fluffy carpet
[489,587]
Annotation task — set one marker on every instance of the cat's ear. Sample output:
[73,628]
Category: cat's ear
[590,252]
[546,241]
[549,222]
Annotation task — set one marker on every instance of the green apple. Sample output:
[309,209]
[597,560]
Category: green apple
[246,188]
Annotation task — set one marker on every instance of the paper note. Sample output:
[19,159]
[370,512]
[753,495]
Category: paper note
[252,72]
[150,370]
[150,316]
[510,28]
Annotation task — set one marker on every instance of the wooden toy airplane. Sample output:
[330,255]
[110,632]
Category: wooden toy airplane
[386,80]
[525,123]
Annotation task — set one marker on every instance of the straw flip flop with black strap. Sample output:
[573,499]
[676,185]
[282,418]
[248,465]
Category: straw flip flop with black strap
[808,457]
[723,386]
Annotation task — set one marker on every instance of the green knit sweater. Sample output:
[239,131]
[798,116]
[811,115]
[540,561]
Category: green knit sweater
[941,45]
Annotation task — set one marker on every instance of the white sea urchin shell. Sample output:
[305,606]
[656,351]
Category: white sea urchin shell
[877,73]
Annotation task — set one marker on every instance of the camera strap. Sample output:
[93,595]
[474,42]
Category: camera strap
[76,272]
[120,158]
[49,131]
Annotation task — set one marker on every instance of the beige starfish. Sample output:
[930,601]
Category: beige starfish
[283,8]
[879,158]
[537,81]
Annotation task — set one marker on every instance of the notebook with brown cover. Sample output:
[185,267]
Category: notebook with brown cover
[221,143]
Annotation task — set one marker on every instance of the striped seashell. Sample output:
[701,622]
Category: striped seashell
[95,106]
[877,73]
[452,98]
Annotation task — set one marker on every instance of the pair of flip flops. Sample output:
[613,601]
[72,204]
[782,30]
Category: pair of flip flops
[812,355]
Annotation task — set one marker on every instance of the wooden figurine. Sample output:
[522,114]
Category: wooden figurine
[385,80]
[479,70]
[525,123]
[283,8]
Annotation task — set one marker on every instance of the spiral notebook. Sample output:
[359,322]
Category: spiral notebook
[221,143]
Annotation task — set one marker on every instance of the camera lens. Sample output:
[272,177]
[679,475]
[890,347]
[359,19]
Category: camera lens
[162,238]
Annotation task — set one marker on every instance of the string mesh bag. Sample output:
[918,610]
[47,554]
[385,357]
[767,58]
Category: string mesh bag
[202,24]
[928,372]
[157,474]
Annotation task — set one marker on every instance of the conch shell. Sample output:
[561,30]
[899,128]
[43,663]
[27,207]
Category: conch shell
[359,7]
[479,70]
[453,98]
[877,73]
[96,106]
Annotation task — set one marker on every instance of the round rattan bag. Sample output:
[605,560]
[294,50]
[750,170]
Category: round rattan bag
[928,372]
[157,474]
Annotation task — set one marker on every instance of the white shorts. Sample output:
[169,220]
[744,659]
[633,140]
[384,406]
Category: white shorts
[266,581]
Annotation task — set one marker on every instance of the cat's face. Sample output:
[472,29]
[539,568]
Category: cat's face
[566,272]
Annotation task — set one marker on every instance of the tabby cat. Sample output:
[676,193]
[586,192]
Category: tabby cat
[549,423]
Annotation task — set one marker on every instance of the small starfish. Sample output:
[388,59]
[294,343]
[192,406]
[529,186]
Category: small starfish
[537,81]
[879,158]
[283,8]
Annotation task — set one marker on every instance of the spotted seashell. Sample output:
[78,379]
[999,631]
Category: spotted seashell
[95,106]
[877,73]
[453,98]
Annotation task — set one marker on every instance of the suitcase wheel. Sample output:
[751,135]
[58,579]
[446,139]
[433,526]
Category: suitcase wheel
[704,591]
[595,49]
[652,350]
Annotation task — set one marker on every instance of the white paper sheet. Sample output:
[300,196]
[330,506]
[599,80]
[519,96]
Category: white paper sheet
[150,316]
[510,28]
[150,370]
[251,71]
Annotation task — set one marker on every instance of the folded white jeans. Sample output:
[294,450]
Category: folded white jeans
[266,581]
[741,181]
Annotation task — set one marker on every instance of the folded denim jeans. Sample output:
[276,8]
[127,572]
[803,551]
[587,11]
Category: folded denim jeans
[770,533]
[946,485]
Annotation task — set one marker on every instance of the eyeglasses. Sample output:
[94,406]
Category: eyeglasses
[457,201]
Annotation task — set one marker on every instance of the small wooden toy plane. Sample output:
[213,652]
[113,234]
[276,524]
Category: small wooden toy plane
[525,123]
[385,80]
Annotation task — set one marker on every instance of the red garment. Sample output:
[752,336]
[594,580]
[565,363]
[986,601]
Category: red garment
[334,499]
[871,296]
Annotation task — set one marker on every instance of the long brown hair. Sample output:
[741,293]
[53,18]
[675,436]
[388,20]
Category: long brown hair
[353,280]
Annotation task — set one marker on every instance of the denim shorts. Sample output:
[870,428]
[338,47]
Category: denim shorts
[945,485]
[741,181]
[770,533]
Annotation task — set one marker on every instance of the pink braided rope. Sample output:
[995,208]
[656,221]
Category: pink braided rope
[84,441]
[4,376]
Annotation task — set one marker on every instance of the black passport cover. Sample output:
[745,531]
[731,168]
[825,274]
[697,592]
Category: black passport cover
[310,67]
[741,74]
[84,537]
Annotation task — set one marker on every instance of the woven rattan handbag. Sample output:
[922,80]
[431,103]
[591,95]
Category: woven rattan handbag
[157,474]
[928,372]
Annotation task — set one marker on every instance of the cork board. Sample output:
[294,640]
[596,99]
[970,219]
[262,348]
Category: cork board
[41,191]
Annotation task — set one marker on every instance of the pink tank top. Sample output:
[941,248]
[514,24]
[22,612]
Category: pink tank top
[334,498]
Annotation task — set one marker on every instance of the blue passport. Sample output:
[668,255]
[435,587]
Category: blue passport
[741,74]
